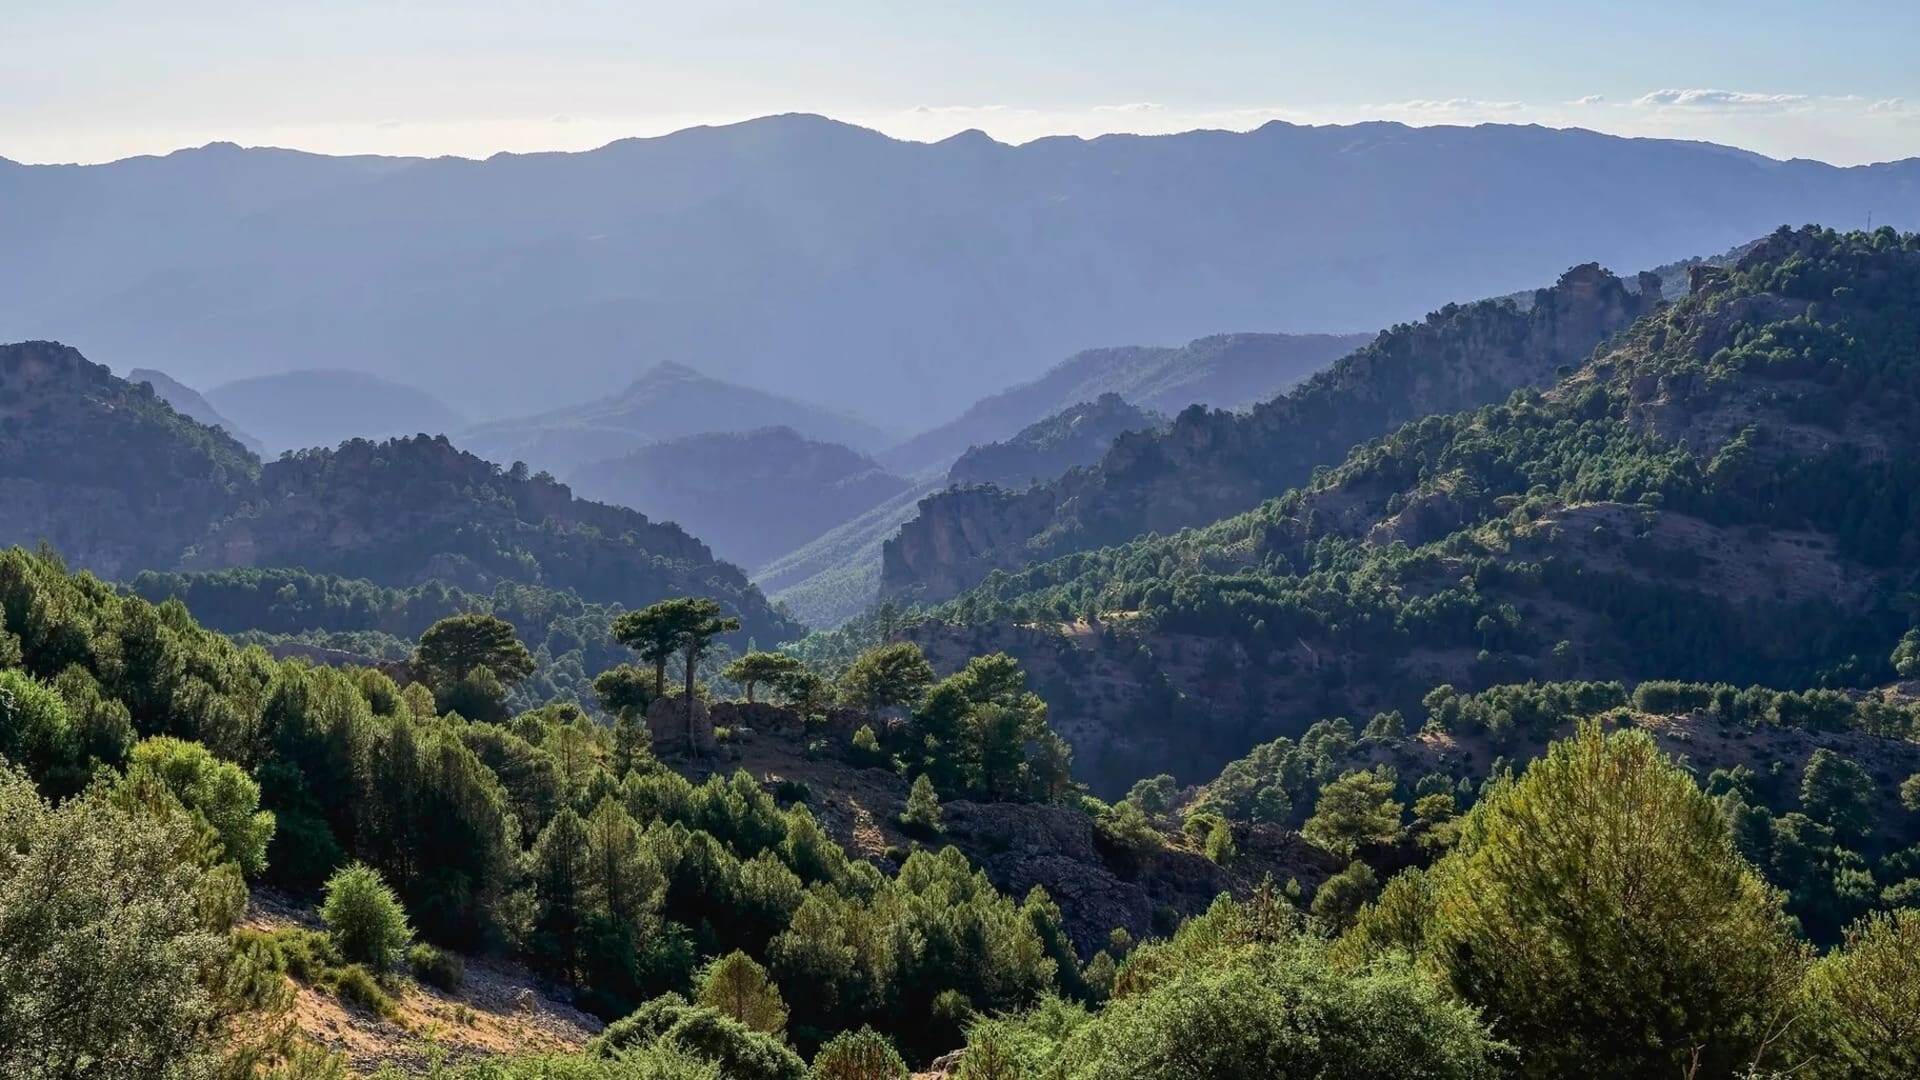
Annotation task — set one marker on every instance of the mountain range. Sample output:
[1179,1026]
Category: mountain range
[752,495]
[892,279]
[118,482]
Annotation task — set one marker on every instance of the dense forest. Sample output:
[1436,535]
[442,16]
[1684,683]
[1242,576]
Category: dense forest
[1593,906]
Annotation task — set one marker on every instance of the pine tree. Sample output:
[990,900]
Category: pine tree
[923,807]
[740,988]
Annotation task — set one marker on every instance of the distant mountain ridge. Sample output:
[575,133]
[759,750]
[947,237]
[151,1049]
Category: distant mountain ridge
[298,410]
[1224,371]
[898,280]
[668,401]
[752,495]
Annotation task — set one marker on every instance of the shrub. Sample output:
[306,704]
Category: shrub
[436,967]
[364,917]
[858,1055]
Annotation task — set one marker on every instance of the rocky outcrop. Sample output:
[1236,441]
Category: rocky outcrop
[675,732]
[1020,845]
[1211,464]
[758,717]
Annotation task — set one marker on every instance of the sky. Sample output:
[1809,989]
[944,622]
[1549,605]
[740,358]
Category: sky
[95,80]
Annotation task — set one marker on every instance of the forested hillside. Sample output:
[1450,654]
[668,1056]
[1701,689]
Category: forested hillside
[189,403]
[1725,493]
[1211,463]
[103,468]
[1045,449]
[1223,371]
[408,511]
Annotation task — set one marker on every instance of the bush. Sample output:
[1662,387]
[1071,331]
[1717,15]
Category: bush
[307,955]
[365,918]
[437,968]
[355,985]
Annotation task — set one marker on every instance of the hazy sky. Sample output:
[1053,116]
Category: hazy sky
[91,80]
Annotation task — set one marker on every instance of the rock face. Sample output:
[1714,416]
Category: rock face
[674,732]
[1211,464]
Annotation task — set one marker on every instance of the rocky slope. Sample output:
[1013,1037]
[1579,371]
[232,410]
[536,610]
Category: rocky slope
[1223,371]
[1210,463]
[1075,436]
[1018,845]
[752,495]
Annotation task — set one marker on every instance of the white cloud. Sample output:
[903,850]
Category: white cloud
[1589,99]
[1450,105]
[1717,99]
[1132,107]
[1889,105]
